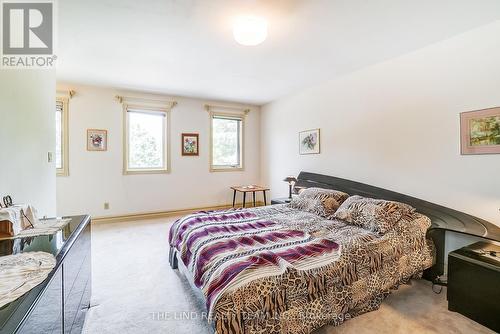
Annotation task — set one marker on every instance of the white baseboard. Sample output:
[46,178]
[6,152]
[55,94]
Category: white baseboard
[162,214]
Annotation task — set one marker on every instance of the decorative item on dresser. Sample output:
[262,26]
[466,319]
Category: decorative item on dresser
[15,218]
[249,189]
[473,283]
[291,181]
[6,228]
[7,201]
[60,302]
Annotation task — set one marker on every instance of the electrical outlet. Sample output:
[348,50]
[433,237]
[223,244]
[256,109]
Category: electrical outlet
[106,206]
[50,157]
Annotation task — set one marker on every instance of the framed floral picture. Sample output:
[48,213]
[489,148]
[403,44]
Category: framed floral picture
[309,142]
[97,140]
[190,144]
[480,131]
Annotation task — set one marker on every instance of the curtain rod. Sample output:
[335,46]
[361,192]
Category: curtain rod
[69,92]
[210,107]
[121,99]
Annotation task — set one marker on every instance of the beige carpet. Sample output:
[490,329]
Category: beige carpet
[135,291]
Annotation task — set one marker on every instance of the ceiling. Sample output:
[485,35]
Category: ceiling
[185,47]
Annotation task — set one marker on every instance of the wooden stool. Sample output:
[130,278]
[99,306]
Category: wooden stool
[249,189]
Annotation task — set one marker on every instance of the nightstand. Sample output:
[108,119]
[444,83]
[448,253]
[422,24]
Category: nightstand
[473,277]
[281,200]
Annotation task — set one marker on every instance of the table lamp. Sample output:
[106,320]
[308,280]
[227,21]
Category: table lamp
[290,180]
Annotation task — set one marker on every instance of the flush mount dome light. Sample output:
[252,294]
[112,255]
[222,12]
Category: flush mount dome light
[250,30]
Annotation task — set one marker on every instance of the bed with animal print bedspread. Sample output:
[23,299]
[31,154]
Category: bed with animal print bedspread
[277,269]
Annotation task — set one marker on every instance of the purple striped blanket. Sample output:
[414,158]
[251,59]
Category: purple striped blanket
[224,250]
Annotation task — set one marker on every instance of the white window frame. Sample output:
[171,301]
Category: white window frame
[230,113]
[166,138]
[64,170]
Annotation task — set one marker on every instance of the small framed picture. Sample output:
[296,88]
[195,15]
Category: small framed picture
[480,131]
[190,144]
[309,142]
[97,140]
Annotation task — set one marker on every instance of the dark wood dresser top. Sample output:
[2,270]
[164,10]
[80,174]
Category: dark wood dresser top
[59,244]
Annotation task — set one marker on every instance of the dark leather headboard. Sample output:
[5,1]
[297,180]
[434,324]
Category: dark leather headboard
[443,218]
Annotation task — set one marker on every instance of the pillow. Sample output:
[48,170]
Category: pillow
[376,215]
[322,202]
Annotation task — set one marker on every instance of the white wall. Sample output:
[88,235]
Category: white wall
[27,134]
[396,125]
[96,177]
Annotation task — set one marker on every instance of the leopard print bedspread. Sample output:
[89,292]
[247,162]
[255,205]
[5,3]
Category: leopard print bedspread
[368,268]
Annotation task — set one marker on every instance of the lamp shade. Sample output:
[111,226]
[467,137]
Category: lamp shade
[290,179]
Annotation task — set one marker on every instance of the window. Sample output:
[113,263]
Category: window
[146,145]
[62,168]
[226,142]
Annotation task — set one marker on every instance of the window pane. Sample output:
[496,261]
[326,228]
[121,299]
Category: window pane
[226,141]
[146,140]
[59,163]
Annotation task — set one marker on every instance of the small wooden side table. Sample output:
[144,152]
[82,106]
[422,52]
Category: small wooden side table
[249,189]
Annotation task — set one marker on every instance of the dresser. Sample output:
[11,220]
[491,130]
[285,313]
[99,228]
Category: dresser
[59,304]
[474,283]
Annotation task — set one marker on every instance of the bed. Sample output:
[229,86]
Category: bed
[289,269]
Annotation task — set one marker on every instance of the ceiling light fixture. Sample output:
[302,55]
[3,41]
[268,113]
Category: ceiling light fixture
[250,30]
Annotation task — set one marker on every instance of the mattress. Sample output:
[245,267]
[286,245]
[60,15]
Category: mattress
[276,269]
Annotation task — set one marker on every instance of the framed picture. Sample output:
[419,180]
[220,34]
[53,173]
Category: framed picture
[190,144]
[97,140]
[480,131]
[309,142]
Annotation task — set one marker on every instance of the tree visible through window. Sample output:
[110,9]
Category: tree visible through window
[226,142]
[59,135]
[61,150]
[146,140]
